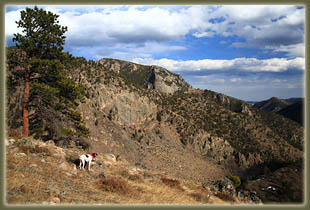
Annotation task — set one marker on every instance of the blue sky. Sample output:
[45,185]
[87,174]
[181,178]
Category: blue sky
[247,52]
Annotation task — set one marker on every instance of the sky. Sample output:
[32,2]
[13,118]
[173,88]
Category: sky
[250,52]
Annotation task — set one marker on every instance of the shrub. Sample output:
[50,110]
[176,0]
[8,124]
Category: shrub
[115,184]
[171,182]
[14,133]
[134,177]
[26,146]
[38,149]
[82,130]
[66,131]
[236,180]
[76,116]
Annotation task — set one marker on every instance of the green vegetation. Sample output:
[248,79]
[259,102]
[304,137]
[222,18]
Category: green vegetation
[40,42]
[37,73]
[229,118]
[236,180]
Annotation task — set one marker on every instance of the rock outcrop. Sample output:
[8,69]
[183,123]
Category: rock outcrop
[150,77]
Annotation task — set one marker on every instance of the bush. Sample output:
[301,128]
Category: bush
[115,184]
[26,146]
[236,180]
[82,130]
[76,116]
[134,177]
[66,131]
[171,182]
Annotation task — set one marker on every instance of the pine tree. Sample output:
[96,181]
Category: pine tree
[50,96]
[42,38]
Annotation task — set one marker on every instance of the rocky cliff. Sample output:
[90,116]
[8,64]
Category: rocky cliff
[149,77]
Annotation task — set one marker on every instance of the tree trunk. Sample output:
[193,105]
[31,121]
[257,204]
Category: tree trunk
[26,100]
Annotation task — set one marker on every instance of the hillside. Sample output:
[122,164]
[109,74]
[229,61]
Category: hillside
[153,119]
[294,112]
[293,100]
[291,108]
[272,105]
[52,177]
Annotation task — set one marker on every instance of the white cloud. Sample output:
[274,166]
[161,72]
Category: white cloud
[235,79]
[130,52]
[294,50]
[261,26]
[274,27]
[10,25]
[204,34]
[237,64]
[132,25]
[142,30]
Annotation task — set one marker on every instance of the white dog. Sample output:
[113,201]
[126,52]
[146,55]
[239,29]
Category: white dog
[88,158]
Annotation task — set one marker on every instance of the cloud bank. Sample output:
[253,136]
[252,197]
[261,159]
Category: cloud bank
[121,28]
[237,65]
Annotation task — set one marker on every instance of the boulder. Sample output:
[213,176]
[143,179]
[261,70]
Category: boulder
[133,170]
[56,200]
[110,157]
[65,166]
[21,154]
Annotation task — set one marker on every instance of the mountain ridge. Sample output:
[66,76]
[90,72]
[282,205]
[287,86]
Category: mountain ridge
[273,104]
[291,108]
[158,117]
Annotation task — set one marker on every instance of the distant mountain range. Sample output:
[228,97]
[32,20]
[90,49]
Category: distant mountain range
[291,100]
[291,108]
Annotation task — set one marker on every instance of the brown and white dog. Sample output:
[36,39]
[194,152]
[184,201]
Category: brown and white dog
[88,158]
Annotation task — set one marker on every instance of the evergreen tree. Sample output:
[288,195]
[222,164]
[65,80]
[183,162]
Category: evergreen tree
[42,38]
[37,63]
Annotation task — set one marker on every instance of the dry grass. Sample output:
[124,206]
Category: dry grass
[36,178]
[201,197]
[25,184]
[225,196]
[116,185]
[174,183]
[14,133]
[135,177]
[197,196]
[159,193]
[27,145]
[131,177]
